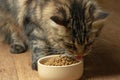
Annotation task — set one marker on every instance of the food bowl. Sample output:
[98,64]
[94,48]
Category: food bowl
[66,72]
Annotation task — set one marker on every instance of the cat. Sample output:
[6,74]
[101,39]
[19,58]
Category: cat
[50,26]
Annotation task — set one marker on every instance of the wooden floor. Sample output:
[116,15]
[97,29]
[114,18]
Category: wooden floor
[102,64]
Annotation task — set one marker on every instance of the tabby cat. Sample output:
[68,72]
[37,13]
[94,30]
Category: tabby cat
[50,26]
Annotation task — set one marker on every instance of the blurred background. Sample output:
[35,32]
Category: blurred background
[104,62]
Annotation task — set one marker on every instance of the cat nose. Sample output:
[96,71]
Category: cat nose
[79,49]
[78,52]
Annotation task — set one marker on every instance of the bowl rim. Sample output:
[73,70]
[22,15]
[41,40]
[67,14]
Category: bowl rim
[38,62]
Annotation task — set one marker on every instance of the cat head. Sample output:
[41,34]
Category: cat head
[73,24]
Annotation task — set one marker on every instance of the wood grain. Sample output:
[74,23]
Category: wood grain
[23,66]
[15,66]
[7,66]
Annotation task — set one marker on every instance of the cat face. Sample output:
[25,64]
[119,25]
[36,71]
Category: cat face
[74,25]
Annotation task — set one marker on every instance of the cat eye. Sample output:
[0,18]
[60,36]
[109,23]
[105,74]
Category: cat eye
[70,46]
[59,20]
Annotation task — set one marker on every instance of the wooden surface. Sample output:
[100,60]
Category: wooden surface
[15,66]
[102,64]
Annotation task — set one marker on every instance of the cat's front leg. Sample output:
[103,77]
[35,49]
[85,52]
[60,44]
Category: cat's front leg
[37,42]
[37,48]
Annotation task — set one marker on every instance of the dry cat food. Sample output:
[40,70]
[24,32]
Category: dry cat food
[61,61]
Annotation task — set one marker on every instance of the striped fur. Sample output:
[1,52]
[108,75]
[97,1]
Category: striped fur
[50,26]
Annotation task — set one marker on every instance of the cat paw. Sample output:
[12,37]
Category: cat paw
[34,66]
[17,48]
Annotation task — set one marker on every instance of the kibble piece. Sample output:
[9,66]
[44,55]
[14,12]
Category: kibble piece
[60,61]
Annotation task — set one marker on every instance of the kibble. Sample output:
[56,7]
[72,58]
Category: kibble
[61,61]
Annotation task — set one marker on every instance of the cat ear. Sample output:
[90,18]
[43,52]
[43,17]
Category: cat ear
[99,18]
[100,15]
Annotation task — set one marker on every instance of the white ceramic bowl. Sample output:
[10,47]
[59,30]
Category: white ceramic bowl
[68,72]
